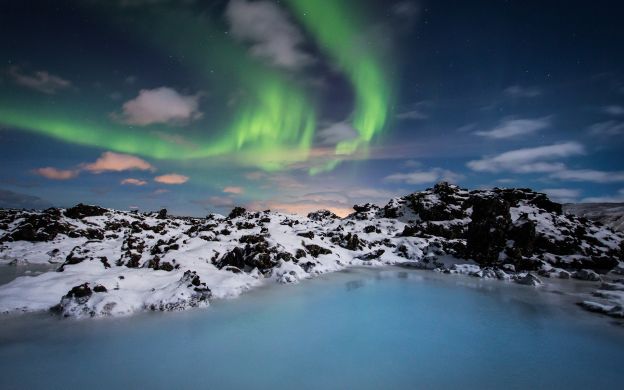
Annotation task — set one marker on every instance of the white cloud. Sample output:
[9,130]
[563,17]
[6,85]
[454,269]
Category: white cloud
[614,110]
[117,162]
[529,160]
[415,112]
[562,195]
[424,177]
[607,128]
[511,127]
[269,31]
[517,91]
[412,115]
[589,175]
[335,133]
[171,178]
[41,81]
[160,105]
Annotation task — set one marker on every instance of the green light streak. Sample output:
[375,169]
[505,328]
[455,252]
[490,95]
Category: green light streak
[339,31]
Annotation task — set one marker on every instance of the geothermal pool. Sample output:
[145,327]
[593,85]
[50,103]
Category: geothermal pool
[362,328]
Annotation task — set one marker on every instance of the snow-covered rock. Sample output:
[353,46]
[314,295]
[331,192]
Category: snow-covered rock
[116,263]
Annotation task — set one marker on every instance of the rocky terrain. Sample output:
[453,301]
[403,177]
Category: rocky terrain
[608,214]
[115,262]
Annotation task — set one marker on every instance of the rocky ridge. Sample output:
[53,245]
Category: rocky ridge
[116,263]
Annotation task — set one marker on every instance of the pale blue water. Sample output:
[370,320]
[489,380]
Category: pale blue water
[356,330]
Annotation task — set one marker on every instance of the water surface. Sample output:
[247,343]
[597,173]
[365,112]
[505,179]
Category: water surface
[365,328]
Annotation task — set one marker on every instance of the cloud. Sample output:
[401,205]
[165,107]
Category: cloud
[233,190]
[16,200]
[589,175]
[618,198]
[171,178]
[511,127]
[41,81]
[269,31]
[529,160]
[614,110]
[338,197]
[134,182]
[517,91]
[117,162]
[415,112]
[56,174]
[160,105]
[608,128]
[562,195]
[335,133]
[424,177]
[406,9]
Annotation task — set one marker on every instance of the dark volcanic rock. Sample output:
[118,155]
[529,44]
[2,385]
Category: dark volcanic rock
[348,241]
[487,231]
[82,210]
[322,215]
[237,212]
[162,214]
[316,250]
[372,255]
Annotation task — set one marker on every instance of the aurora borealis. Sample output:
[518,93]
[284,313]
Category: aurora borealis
[275,112]
[301,104]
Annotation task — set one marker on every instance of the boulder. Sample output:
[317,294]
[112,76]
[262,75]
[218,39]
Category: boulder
[529,280]
[586,274]
[82,211]
[162,214]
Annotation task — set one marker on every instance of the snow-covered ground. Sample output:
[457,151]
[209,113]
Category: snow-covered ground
[113,263]
[609,214]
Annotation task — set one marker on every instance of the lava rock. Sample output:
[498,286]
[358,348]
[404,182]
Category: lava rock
[487,231]
[162,214]
[237,212]
[82,211]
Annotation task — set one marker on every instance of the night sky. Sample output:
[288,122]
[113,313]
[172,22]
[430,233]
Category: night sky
[297,105]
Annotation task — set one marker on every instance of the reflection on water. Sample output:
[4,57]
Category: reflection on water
[354,284]
[366,328]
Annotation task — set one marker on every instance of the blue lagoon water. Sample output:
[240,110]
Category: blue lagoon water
[365,328]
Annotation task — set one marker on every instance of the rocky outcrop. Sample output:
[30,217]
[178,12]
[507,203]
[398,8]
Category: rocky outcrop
[82,211]
[508,234]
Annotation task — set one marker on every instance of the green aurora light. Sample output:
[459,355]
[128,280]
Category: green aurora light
[273,124]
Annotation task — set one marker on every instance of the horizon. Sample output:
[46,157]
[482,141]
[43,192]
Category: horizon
[342,213]
[296,106]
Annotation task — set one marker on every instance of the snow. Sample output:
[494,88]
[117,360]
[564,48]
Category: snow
[146,263]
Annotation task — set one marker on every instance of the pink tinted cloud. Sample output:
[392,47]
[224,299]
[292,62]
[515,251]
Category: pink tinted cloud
[56,174]
[171,178]
[117,162]
[233,190]
[160,105]
[134,182]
